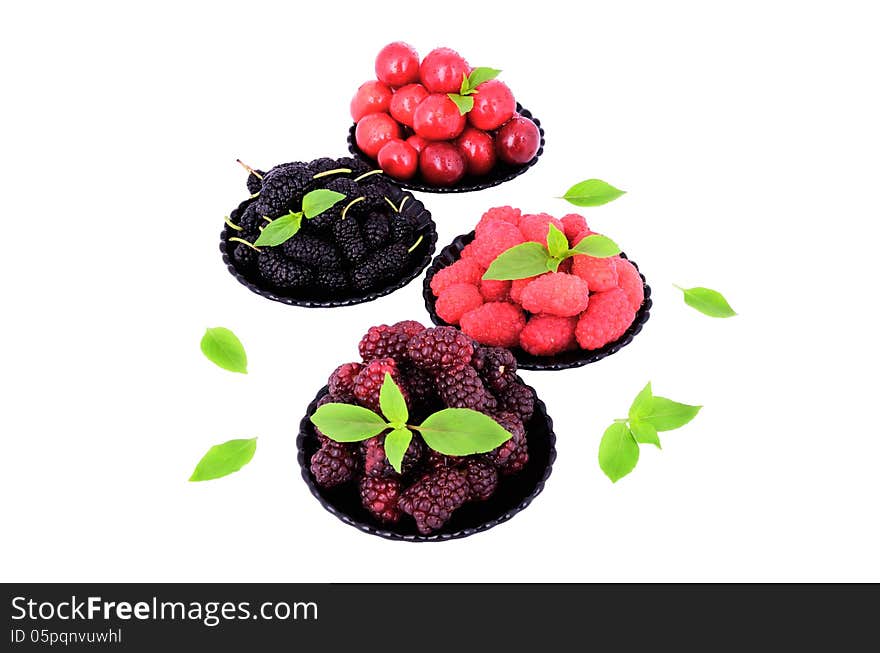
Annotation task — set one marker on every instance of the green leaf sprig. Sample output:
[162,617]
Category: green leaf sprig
[619,448]
[592,192]
[707,301]
[452,431]
[282,229]
[464,98]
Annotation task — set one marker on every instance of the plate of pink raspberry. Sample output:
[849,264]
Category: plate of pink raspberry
[576,310]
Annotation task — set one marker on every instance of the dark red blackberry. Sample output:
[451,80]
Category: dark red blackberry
[342,379]
[432,500]
[463,388]
[482,477]
[283,189]
[436,460]
[333,464]
[497,367]
[375,228]
[380,496]
[402,229]
[376,460]
[421,389]
[386,341]
[513,455]
[254,183]
[312,251]
[412,327]
[281,273]
[370,380]
[347,235]
[518,398]
[440,348]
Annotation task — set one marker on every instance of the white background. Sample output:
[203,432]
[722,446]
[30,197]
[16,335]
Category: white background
[745,132]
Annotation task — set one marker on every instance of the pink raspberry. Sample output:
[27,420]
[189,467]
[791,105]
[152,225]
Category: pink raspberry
[497,324]
[456,300]
[498,214]
[535,227]
[556,293]
[497,237]
[630,282]
[599,273]
[494,291]
[462,271]
[581,235]
[518,285]
[547,335]
[606,319]
[468,251]
[574,224]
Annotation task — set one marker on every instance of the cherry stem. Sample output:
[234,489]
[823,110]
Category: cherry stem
[249,169]
[242,240]
[350,204]
[232,224]
[396,210]
[367,174]
[416,244]
[335,171]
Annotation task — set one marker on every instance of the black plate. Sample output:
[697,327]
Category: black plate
[514,492]
[419,261]
[566,360]
[501,173]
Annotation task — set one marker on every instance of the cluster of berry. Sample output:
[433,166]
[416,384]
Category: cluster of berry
[409,122]
[355,246]
[588,303]
[434,368]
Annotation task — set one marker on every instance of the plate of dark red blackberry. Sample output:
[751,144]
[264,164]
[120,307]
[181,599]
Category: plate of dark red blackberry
[326,233]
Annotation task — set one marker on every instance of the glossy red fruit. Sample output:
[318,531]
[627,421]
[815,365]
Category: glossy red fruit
[437,118]
[478,150]
[398,159]
[405,101]
[371,97]
[441,164]
[494,105]
[442,70]
[517,141]
[397,64]
[373,131]
[417,142]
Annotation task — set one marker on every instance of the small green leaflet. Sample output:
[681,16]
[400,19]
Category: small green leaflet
[597,245]
[592,192]
[462,432]
[641,405]
[348,423]
[224,459]
[392,402]
[666,415]
[280,230]
[464,102]
[478,76]
[396,444]
[644,433]
[618,452]
[557,243]
[224,349]
[317,201]
[519,262]
[707,301]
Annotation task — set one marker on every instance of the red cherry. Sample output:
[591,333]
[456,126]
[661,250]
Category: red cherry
[417,142]
[397,64]
[437,118]
[371,97]
[494,105]
[373,131]
[442,70]
[398,159]
[517,141]
[478,150]
[405,101]
[441,164]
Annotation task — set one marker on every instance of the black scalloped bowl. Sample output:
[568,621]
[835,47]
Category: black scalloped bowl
[421,256]
[501,173]
[566,360]
[514,493]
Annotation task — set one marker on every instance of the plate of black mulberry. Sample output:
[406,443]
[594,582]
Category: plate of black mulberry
[326,233]
[427,437]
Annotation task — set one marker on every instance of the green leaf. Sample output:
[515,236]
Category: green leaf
[597,246]
[223,459]
[392,403]
[224,349]
[396,444]
[644,432]
[480,75]
[707,301]
[553,264]
[280,230]
[462,432]
[464,102]
[465,86]
[557,243]
[317,201]
[666,414]
[519,262]
[618,452]
[348,423]
[641,405]
[592,192]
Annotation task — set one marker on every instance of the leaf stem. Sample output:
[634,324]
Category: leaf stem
[368,174]
[242,240]
[335,171]
[416,244]
[249,169]
[350,204]
[232,224]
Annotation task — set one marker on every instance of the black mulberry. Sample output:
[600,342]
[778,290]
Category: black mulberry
[332,282]
[312,251]
[254,183]
[356,166]
[282,273]
[348,237]
[345,186]
[283,189]
[402,229]
[375,228]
